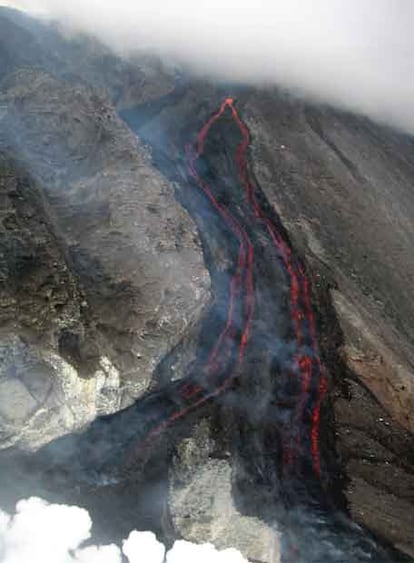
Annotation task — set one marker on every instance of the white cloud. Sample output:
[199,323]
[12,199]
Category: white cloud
[40,532]
[98,554]
[354,53]
[143,542]
[186,552]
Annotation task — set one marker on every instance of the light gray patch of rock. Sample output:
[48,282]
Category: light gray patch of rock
[202,506]
[43,396]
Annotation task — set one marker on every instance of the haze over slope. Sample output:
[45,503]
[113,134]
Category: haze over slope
[353,54]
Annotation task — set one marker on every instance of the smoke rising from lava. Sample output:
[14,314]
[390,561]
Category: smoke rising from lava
[357,55]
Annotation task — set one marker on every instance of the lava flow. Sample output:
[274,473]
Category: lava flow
[302,316]
[226,359]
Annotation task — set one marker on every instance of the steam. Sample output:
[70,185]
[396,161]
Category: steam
[355,54]
[40,532]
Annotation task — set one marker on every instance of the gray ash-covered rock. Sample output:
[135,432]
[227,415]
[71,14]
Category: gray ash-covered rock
[202,504]
[42,395]
[103,269]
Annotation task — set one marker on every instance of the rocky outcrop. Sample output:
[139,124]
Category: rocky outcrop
[103,270]
[42,394]
[202,505]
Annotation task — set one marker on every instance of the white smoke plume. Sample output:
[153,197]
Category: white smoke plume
[358,54]
[40,532]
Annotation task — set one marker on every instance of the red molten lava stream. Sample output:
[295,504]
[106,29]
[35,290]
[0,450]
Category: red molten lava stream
[300,303]
[241,279]
[306,361]
[246,246]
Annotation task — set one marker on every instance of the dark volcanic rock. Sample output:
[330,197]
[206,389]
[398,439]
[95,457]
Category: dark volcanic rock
[343,186]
